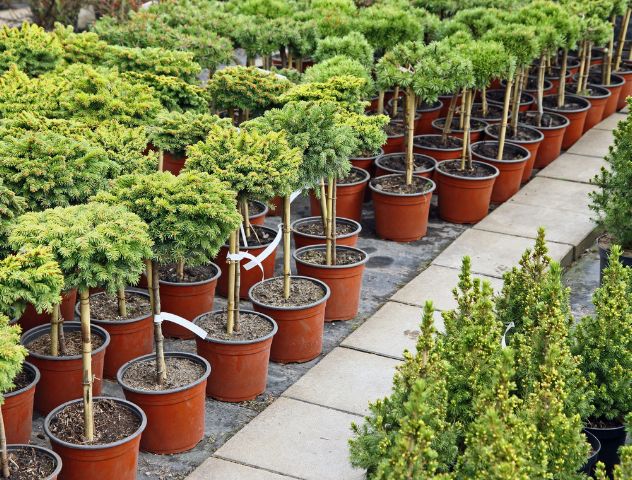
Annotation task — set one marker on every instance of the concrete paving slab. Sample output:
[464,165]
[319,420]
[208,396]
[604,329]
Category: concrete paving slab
[391,330]
[558,194]
[611,122]
[346,380]
[493,254]
[594,142]
[573,228]
[435,283]
[218,469]
[574,168]
[296,439]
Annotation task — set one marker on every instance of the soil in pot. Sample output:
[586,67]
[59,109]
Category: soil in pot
[18,405]
[349,195]
[465,195]
[105,307]
[239,361]
[300,317]
[528,137]
[436,147]
[401,211]
[310,231]
[553,126]
[511,167]
[497,97]
[180,372]
[31,463]
[257,212]
[575,109]
[423,165]
[73,346]
[189,297]
[476,128]
[598,97]
[494,113]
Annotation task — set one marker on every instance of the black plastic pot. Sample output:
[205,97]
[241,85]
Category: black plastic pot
[611,440]
[592,460]
[604,254]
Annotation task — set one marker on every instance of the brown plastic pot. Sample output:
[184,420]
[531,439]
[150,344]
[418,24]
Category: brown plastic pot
[394,143]
[305,239]
[551,145]
[598,98]
[437,153]
[31,319]
[477,128]
[300,329]
[615,87]
[401,217]
[259,218]
[173,162]
[531,145]
[366,163]
[381,169]
[62,377]
[626,90]
[344,281]
[532,86]
[425,115]
[510,177]
[17,409]
[188,300]
[239,368]
[497,97]
[276,207]
[464,199]
[349,198]
[128,338]
[491,118]
[445,100]
[117,460]
[175,417]
[576,117]
[247,277]
[52,455]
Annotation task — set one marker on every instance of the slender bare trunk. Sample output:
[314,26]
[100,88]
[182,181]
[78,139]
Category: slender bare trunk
[283,53]
[503,124]
[180,270]
[232,265]
[395,109]
[324,213]
[540,95]
[334,237]
[290,59]
[161,368]
[582,67]
[122,304]
[380,102]
[588,60]
[286,248]
[86,360]
[561,94]
[622,35]
[54,332]
[161,160]
[331,217]
[148,276]
[606,70]
[410,110]
[466,128]
[447,128]
[245,209]
[462,116]
[484,105]
[4,455]
[517,95]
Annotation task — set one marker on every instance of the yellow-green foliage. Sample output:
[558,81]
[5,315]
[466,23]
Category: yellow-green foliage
[29,47]
[174,131]
[12,354]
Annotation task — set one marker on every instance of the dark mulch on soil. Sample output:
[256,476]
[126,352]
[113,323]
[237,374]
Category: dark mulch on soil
[494,112]
[251,326]
[456,124]
[41,345]
[587,92]
[397,162]
[169,273]
[343,257]
[105,307]
[395,129]
[490,150]
[258,237]
[569,104]
[398,185]
[436,141]
[30,464]
[454,167]
[499,96]
[530,118]
[255,208]
[522,135]
[353,177]
[603,423]
[180,372]
[316,228]
[113,421]
[22,379]
[302,292]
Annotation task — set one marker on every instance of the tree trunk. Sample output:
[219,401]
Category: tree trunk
[395,109]
[86,360]
[484,105]
[245,209]
[540,95]
[589,46]
[380,102]
[324,213]
[54,332]
[161,160]
[503,125]
[331,218]
[122,304]
[161,368]
[4,456]
[447,128]
[582,67]
[462,116]
[287,252]
[180,270]
[467,106]
[334,186]
[148,275]
[517,94]
[283,53]
[622,35]
[561,96]
[410,111]
[230,309]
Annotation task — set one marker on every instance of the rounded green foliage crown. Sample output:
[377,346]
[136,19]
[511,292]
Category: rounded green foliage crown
[95,245]
[339,66]
[30,47]
[31,276]
[387,25]
[189,216]
[489,60]
[255,165]
[354,46]
[520,41]
[174,131]
[346,91]
[12,354]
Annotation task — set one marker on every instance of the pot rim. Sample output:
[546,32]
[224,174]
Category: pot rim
[381,152]
[133,407]
[357,225]
[31,384]
[527,102]
[607,250]
[508,143]
[608,429]
[576,110]
[266,209]
[403,154]
[458,130]
[606,93]
[436,149]
[488,118]
[503,82]
[217,274]
[210,339]
[438,105]
[322,247]
[433,186]
[320,283]
[566,123]
[241,247]
[488,131]
[489,177]
[191,356]
[48,451]
[367,177]
[613,76]
[118,322]
[594,442]
[102,332]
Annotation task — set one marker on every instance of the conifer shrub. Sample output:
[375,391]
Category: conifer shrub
[29,47]
[339,66]
[353,45]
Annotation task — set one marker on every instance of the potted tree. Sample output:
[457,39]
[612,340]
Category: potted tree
[95,245]
[14,458]
[354,45]
[255,165]
[603,341]
[198,212]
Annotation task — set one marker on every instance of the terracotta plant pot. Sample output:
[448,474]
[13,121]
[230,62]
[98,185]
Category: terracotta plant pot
[464,199]
[427,170]
[302,239]
[173,162]
[300,334]
[31,319]
[45,451]
[426,114]
[17,409]
[598,98]
[188,300]
[401,217]
[175,417]
[394,143]
[553,130]
[576,117]
[349,197]
[128,338]
[117,460]
[344,281]
[366,163]
[497,97]
[532,86]
[438,153]
[595,445]
[494,113]
[275,207]
[511,171]
[611,439]
[239,368]
[247,277]
[477,127]
[61,377]
[259,218]
[445,100]
[531,145]
[614,87]
[626,73]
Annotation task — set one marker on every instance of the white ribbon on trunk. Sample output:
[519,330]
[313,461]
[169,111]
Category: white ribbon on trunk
[183,322]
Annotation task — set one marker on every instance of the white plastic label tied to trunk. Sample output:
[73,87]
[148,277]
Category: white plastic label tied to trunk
[183,322]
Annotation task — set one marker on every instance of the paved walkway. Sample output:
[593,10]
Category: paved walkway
[304,433]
